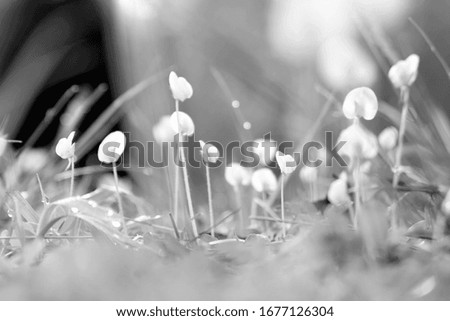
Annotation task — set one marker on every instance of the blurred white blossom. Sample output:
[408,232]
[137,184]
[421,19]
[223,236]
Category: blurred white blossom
[264,180]
[388,138]
[237,175]
[163,131]
[32,160]
[446,203]
[359,143]
[343,64]
[309,174]
[338,191]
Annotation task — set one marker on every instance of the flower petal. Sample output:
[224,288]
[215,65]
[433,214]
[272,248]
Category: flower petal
[112,147]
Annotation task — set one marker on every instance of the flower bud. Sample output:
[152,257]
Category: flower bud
[404,72]
[180,87]
[237,175]
[186,124]
[112,147]
[65,147]
[360,102]
[286,163]
[210,152]
[264,180]
[388,138]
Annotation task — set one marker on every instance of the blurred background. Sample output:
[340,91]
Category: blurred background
[282,60]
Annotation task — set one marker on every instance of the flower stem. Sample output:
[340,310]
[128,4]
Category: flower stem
[356,182]
[352,214]
[185,173]
[311,192]
[188,192]
[283,224]
[357,187]
[176,189]
[210,204]
[119,198]
[237,194]
[266,223]
[177,170]
[398,155]
[72,176]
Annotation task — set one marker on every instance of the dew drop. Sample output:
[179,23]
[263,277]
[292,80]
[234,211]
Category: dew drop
[116,224]
[235,104]
[92,203]
[74,210]
[247,125]
[110,212]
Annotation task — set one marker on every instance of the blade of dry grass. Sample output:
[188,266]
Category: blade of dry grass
[432,47]
[108,118]
[50,115]
[309,136]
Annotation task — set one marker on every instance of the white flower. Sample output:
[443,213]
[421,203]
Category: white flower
[186,124]
[236,175]
[343,63]
[360,102]
[388,138]
[338,191]
[180,87]
[32,160]
[210,152]
[65,147]
[404,72]
[112,147]
[163,131]
[265,149]
[285,162]
[264,180]
[359,143]
[309,174]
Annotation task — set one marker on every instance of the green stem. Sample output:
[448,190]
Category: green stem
[357,187]
[177,170]
[188,191]
[72,176]
[402,130]
[240,223]
[356,183]
[119,198]
[185,173]
[283,224]
[210,204]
